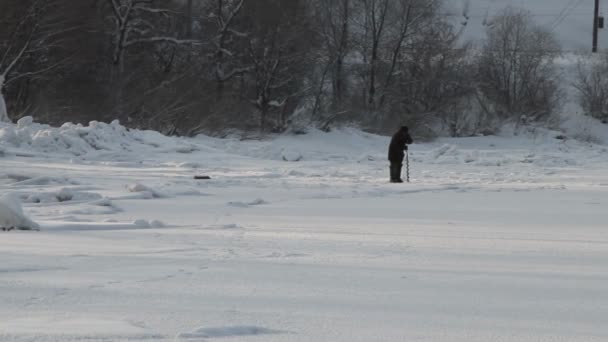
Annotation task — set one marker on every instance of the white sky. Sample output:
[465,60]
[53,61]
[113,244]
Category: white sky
[572,20]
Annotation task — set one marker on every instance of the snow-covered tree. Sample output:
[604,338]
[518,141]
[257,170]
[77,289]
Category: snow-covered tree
[133,22]
[225,16]
[137,23]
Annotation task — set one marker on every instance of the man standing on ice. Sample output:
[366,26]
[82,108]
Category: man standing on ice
[398,144]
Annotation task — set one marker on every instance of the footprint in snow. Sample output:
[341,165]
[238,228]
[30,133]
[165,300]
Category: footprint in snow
[255,202]
[225,226]
[233,331]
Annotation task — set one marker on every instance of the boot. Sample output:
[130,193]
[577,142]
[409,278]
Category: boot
[398,168]
[395,173]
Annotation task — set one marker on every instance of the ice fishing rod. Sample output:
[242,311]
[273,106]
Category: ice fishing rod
[407,165]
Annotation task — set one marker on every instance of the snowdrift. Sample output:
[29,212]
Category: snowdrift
[95,140]
[12,216]
[581,136]
[339,145]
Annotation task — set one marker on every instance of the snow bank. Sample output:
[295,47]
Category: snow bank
[62,195]
[339,145]
[96,139]
[12,216]
[585,128]
[125,148]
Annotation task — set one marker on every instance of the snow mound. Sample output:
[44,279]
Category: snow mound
[8,136]
[290,155]
[95,140]
[145,191]
[12,216]
[141,223]
[585,128]
[25,122]
[255,202]
[25,180]
[189,165]
[345,144]
[60,196]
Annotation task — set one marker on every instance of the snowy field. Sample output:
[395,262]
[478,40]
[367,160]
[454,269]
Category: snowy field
[495,239]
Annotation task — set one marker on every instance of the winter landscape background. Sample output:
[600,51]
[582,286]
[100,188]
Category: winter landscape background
[297,235]
[445,68]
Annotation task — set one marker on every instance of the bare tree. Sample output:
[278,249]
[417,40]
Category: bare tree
[374,25]
[410,18]
[387,36]
[187,66]
[188,18]
[30,35]
[133,25]
[279,46]
[136,23]
[225,16]
[335,22]
[592,85]
[434,80]
[517,75]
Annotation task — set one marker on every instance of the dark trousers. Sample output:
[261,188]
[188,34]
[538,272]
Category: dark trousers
[396,171]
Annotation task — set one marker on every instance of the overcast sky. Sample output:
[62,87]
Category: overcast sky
[572,20]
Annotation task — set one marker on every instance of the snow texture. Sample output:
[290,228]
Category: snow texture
[146,191]
[499,238]
[97,140]
[229,332]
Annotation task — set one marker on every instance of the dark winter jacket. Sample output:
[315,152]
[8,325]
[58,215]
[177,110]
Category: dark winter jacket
[398,144]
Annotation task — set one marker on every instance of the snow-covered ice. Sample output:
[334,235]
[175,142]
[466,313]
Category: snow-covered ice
[496,239]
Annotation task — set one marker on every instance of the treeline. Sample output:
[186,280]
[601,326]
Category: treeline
[189,66]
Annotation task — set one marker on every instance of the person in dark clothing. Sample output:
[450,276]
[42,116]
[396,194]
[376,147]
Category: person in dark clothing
[398,144]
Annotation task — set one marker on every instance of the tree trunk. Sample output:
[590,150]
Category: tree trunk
[372,78]
[3,113]
[339,77]
[263,113]
[189,16]
[403,34]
